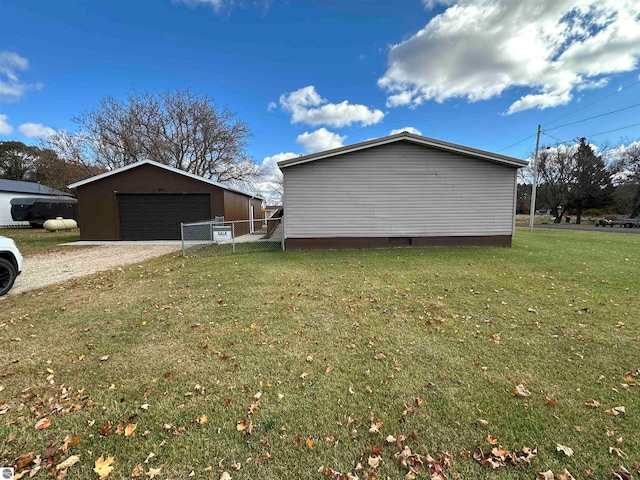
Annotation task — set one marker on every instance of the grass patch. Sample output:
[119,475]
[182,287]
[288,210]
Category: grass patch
[36,240]
[427,341]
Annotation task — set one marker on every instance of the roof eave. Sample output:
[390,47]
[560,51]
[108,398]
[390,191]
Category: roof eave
[165,167]
[489,156]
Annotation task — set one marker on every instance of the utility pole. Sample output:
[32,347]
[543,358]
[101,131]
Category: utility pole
[532,211]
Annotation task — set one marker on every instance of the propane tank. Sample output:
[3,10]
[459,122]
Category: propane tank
[59,223]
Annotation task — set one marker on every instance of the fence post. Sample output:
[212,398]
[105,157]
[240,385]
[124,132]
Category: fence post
[182,238]
[233,237]
[282,239]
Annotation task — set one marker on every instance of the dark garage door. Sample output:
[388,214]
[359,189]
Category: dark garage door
[157,216]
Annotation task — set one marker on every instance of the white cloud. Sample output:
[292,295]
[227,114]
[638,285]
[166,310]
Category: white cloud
[413,130]
[321,139]
[34,130]
[272,106]
[307,106]
[5,127]
[215,4]
[11,87]
[270,183]
[478,49]
[430,4]
[226,5]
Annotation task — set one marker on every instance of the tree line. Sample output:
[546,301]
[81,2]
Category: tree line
[29,163]
[178,128]
[575,178]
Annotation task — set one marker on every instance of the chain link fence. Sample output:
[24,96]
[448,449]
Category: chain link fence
[241,236]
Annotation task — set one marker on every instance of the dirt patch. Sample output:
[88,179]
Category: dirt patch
[41,270]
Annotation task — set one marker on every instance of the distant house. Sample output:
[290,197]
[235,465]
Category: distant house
[148,201]
[399,190]
[10,189]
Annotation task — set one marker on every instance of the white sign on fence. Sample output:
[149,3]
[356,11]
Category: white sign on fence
[221,234]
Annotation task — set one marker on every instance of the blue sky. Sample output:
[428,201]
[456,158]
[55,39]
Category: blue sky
[308,75]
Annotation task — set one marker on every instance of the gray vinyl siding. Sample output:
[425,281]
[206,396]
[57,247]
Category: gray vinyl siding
[398,190]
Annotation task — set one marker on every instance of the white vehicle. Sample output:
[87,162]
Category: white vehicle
[10,264]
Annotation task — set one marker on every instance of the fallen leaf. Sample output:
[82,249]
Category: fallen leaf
[618,452]
[564,449]
[565,475]
[43,423]
[202,419]
[593,404]
[225,476]
[153,472]
[550,401]
[70,461]
[548,475]
[615,411]
[375,427]
[104,466]
[622,474]
[309,443]
[492,440]
[374,462]
[520,391]
[129,430]
[137,471]
[104,358]
[23,460]
[391,439]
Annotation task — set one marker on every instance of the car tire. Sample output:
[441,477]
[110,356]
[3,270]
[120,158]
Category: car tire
[7,275]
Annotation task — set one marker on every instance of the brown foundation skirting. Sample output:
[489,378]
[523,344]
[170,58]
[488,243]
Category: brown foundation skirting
[385,242]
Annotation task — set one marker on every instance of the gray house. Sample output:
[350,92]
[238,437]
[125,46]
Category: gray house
[400,190]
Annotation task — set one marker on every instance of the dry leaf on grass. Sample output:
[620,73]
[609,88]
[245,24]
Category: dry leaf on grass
[548,475]
[43,423]
[565,475]
[104,466]
[129,430]
[564,449]
[69,462]
[225,476]
[615,411]
[520,391]
[153,472]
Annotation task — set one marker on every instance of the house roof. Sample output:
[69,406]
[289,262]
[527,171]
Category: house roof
[407,137]
[18,186]
[165,167]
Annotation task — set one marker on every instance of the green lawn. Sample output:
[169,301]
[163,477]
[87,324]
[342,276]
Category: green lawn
[36,240]
[429,343]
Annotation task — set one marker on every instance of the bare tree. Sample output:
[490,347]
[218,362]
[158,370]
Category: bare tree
[177,128]
[627,171]
[555,171]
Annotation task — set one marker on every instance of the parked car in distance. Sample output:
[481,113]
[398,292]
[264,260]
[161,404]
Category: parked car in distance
[630,222]
[10,264]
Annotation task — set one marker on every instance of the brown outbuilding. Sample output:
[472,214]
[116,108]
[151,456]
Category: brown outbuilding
[148,201]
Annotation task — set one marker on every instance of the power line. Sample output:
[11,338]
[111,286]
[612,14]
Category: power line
[595,116]
[614,130]
[594,102]
[595,134]
[517,143]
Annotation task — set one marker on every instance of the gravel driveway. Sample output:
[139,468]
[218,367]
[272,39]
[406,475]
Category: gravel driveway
[45,269]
